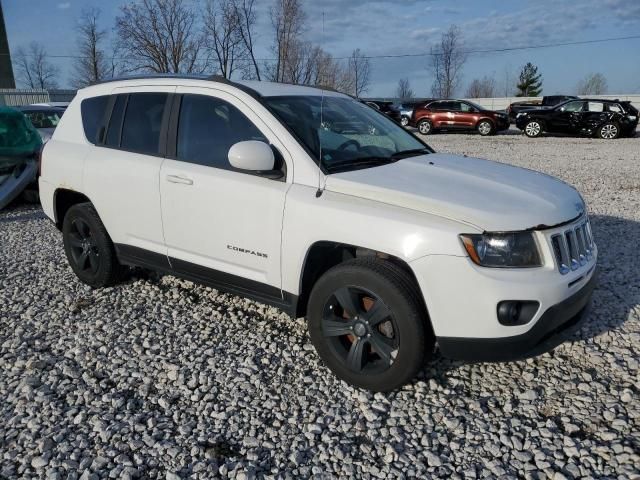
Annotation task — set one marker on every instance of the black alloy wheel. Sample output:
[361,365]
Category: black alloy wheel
[360,329]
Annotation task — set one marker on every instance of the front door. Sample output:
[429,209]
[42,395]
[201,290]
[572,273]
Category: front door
[566,118]
[220,223]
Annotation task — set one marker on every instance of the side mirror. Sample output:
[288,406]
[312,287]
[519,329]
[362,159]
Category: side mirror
[252,155]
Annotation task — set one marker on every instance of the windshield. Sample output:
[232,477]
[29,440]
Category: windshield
[351,134]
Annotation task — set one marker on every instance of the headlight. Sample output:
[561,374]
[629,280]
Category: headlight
[502,250]
[521,114]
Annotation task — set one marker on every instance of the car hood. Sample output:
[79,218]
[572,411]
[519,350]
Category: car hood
[489,195]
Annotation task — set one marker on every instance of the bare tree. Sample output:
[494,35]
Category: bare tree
[404,90]
[447,61]
[246,18]
[592,84]
[287,17]
[160,36]
[33,68]
[484,87]
[357,73]
[92,66]
[222,37]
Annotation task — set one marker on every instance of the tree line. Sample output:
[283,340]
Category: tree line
[176,36]
[202,36]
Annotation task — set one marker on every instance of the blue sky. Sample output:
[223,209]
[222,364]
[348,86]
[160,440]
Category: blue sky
[383,27]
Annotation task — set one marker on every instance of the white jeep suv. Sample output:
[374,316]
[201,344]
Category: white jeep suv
[310,201]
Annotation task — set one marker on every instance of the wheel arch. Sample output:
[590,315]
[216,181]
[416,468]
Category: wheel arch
[323,255]
[63,200]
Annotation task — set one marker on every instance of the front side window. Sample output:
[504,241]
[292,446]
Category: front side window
[595,107]
[142,122]
[572,107]
[343,133]
[208,127]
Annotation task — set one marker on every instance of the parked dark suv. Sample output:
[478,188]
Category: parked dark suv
[606,119]
[457,115]
[547,101]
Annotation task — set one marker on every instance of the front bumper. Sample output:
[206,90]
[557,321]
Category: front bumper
[551,329]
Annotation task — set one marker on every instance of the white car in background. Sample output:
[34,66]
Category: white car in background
[263,190]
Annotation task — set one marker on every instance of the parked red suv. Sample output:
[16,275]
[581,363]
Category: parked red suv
[457,115]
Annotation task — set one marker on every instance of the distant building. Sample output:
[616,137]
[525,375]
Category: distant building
[6,70]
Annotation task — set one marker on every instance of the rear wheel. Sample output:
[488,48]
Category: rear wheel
[425,127]
[404,121]
[89,249]
[368,325]
[533,129]
[609,131]
[485,127]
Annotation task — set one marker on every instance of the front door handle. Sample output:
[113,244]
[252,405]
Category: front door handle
[179,179]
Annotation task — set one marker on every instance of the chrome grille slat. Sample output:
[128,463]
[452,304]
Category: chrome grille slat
[573,247]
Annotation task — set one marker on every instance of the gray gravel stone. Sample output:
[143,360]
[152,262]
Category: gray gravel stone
[160,378]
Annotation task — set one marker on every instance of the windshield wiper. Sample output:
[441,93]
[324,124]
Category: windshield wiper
[360,162]
[410,153]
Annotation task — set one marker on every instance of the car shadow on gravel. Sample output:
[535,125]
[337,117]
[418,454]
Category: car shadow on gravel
[616,295]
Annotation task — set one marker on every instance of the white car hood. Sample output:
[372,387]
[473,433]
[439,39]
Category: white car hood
[489,195]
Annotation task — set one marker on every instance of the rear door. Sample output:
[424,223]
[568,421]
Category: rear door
[594,115]
[221,223]
[122,172]
[444,115]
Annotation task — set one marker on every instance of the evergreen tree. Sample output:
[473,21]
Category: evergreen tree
[530,83]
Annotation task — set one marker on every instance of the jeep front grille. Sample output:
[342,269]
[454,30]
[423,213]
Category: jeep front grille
[573,248]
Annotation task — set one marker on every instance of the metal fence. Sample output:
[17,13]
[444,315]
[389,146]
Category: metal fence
[16,97]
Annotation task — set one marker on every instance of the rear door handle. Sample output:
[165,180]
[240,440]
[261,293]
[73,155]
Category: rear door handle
[179,179]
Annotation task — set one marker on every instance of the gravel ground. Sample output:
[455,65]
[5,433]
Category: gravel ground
[160,378]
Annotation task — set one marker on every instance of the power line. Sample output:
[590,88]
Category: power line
[423,54]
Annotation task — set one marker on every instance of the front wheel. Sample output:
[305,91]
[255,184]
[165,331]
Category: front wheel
[368,325]
[88,247]
[609,131]
[533,129]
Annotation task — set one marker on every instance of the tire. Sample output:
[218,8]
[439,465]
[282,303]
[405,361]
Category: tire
[88,247]
[425,127]
[404,121]
[485,128]
[609,131]
[533,129]
[381,356]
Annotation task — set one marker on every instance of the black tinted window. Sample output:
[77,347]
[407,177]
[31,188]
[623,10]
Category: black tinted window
[92,111]
[208,127]
[142,122]
[115,122]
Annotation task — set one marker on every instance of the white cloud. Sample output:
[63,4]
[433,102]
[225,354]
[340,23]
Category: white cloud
[64,5]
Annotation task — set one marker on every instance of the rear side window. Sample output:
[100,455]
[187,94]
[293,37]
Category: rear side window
[115,122]
[92,111]
[208,127]
[614,107]
[142,122]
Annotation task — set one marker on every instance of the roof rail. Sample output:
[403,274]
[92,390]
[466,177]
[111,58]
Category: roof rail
[211,78]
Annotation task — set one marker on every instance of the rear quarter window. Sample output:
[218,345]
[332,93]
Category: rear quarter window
[92,112]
